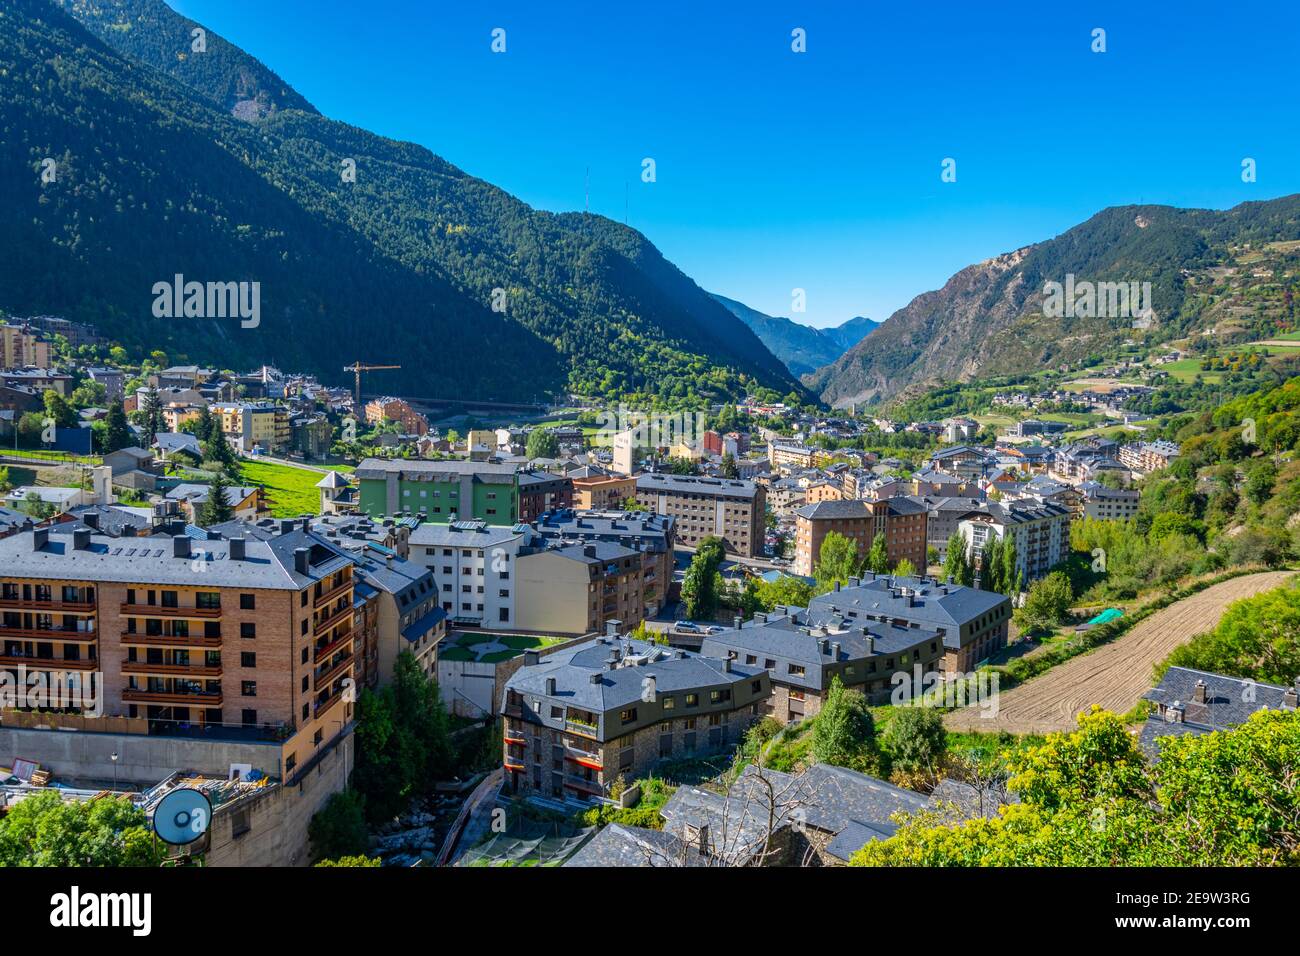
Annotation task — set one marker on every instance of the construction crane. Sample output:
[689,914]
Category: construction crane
[358,368]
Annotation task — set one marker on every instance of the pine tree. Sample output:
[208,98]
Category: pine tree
[116,433]
[152,414]
[217,508]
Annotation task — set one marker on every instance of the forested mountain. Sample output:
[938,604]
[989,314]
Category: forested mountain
[802,348]
[989,318]
[157,176]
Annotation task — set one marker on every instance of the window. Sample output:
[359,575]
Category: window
[249,629]
[248,688]
[796,670]
[249,718]
[692,700]
[756,686]
[627,715]
[669,703]
[247,602]
[304,655]
[247,659]
[305,684]
[503,614]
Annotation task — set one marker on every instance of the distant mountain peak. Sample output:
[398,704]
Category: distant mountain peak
[802,348]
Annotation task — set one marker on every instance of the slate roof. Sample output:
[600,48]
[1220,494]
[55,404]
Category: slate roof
[197,494]
[792,638]
[1229,701]
[931,604]
[572,668]
[150,560]
[493,473]
[693,485]
[114,522]
[465,534]
[619,845]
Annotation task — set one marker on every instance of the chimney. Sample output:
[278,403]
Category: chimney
[286,525]
[595,677]
[726,665]
[648,693]
[589,550]
[869,641]
[737,621]
[91,519]
[550,687]
[531,658]
[854,582]
[612,627]
[300,560]
[40,538]
[1198,692]
[181,546]
[1290,698]
[837,585]
[835,651]
[702,840]
[824,645]
[760,617]
[81,539]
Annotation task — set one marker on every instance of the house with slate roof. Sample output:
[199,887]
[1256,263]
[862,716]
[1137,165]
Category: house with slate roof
[1188,701]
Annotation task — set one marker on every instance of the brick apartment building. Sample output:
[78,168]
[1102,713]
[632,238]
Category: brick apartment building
[901,520]
[541,491]
[389,409]
[595,489]
[578,719]
[732,510]
[237,636]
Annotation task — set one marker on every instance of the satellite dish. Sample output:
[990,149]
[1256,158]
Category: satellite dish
[182,816]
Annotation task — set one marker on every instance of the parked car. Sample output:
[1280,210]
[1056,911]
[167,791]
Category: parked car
[687,626]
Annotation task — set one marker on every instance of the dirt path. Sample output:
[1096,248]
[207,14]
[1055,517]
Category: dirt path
[1115,675]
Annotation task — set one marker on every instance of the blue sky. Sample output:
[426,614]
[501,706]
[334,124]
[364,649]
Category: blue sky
[820,170]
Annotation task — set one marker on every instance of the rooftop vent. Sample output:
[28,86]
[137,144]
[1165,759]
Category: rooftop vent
[181,546]
[531,658]
[40,538]
[237,549]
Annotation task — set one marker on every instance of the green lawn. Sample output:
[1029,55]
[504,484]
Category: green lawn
[290,491]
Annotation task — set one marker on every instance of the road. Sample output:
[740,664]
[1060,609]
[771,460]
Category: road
[1114,675]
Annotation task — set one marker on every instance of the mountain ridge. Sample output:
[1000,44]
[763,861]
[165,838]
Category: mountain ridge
[590,306]
[802,348]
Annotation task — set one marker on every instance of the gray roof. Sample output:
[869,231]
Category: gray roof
[646,530]
[693,485]
[574,667]
[177,441]
[197,494]
[929,603]
[150,560]
[1229,701]
[830,799]
[792,638]
[465,534]
[619,845]
[450,470]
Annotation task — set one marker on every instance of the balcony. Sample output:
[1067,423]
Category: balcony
[324,652]
[158,610]
[332,616]
[63,607]
[331,594]
[590,761]
[180,698]
[582,729]
[590,787]
[512,765]
[144,669]
[171,640]
[327,703]
[325,678]
[46,663]
[48,634]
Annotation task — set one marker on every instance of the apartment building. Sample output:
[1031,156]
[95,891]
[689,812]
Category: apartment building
[575,589]
[650,534]
[399,605]
[389,409]
[1041,533]
[473,565]
[541,491]
[1145,457]
[791,455]
[1109,504]
[732,510]
[595,489]
[578,719]
[229,637]
[901,520]
[802,657]
[972,623]
[441,491]
[248,426]
[964,461]
[21,347]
